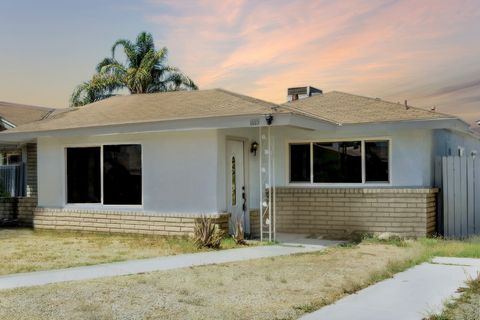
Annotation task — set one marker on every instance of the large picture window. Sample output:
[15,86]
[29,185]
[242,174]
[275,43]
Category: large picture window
[337,162]
[300,162]
[83,175]
[340,162]
[121,178]
[376,161]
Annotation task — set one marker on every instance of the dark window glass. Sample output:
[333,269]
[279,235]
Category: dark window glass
[83,175]
[337,162]
[376,161]
[300,162]
[122,174]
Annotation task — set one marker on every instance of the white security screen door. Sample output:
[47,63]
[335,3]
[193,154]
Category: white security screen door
[236,199]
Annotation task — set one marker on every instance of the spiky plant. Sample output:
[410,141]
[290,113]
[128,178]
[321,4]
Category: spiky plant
[207,234]
[239,235]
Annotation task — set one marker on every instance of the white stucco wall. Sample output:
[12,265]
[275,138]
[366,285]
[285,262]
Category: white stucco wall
[185,171]
[179,169]
[411,151]
[448,143]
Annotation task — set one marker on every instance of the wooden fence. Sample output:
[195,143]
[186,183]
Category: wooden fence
[459,201]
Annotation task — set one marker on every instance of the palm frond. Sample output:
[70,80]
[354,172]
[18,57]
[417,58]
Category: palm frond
[128,47]
[105,62]
[144,71]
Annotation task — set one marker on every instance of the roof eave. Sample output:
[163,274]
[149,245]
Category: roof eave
[221,122]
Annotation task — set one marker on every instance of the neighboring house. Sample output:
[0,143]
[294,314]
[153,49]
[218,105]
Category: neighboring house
[18,172]
[334,163]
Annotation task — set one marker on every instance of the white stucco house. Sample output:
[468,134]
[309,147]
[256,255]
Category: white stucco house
[328,164]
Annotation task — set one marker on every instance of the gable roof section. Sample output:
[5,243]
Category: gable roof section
[152,107]
[20,114]
[334,107]
[344,108]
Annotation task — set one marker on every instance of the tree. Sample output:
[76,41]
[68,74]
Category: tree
[144,71]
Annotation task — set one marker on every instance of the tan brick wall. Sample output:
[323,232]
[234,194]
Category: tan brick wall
[31,170]
[20,208]
[339,213]
[120,222]
[7,208]
[254,224]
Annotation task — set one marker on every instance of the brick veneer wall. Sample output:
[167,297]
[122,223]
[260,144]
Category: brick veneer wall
[339,213]
[121,222]
[254,224]
[31,170]
[21,208]
[7,208]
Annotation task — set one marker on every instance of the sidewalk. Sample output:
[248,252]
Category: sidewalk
[409,295]
[156,264]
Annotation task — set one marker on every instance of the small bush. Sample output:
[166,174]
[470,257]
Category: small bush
[207,234]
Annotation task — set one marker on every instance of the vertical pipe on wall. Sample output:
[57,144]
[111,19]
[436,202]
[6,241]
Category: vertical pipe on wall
[274,218]
[260,208]
[269,186]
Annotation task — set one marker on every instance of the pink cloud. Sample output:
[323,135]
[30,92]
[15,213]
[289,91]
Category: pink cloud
[389,49]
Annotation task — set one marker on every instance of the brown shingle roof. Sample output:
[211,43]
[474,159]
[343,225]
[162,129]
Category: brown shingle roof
[152,107]
[335,107]
[345,108]
[20,114]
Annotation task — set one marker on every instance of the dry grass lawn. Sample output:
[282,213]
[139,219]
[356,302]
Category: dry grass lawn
[25,250]
[274,288]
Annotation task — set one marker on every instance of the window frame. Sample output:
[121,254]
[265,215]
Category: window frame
[339,184]
[101,204]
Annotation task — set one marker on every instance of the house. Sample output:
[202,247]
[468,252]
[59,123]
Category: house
[18,162]
[329,164]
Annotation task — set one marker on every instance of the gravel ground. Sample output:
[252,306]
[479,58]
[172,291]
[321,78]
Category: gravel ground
[274,288]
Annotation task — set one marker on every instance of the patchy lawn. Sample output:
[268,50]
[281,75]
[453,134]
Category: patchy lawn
[466,307]
[273,288]
[25,250]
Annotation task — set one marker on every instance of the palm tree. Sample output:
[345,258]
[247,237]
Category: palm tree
[144,71]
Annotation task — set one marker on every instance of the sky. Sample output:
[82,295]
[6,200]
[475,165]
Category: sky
[426,52]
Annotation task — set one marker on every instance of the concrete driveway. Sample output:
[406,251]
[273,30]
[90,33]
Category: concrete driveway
[409,295]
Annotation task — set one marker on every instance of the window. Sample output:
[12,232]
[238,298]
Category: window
[122,175]
[337,162]
[83,175]
[376,161]
[340,162]
[300,162]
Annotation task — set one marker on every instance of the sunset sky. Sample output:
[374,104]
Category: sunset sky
[427,52]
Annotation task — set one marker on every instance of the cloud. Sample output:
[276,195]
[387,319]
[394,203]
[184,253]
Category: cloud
[411,49]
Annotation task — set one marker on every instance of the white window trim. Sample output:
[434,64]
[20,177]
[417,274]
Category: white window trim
[100,205]
[364,183]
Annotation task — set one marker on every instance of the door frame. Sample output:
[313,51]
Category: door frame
[246,152]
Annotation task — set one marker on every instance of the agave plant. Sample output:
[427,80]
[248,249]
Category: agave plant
[144,71]
[207,234]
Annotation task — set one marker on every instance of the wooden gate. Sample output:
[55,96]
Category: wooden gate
[459,201]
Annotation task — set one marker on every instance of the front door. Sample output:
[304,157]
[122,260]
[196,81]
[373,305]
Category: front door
[236,199]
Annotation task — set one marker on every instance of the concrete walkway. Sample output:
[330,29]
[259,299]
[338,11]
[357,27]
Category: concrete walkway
[408,295]
[156,264]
